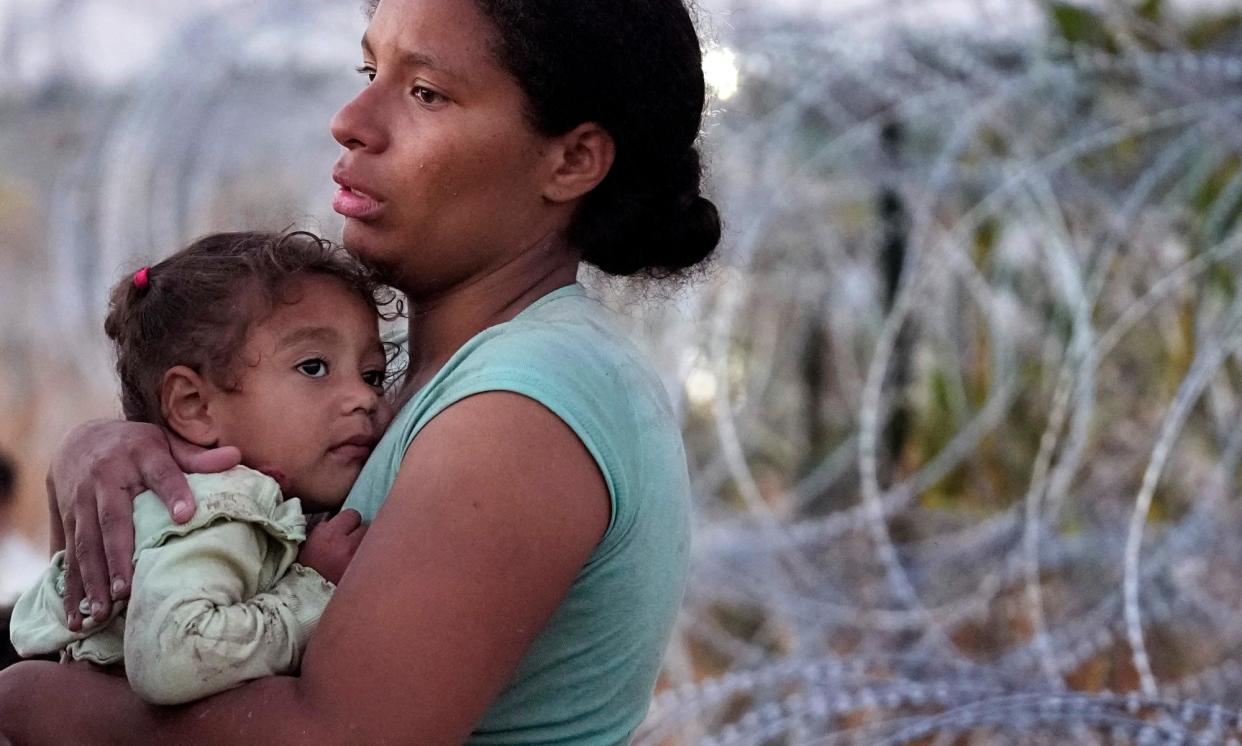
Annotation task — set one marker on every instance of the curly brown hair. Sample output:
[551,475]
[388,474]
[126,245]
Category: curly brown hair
[196,307]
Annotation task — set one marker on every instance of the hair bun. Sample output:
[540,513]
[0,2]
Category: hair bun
[659,231]
[697,235]
[657,235]
[582,62]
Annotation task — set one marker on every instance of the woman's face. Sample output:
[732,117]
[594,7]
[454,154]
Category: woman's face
[442,175]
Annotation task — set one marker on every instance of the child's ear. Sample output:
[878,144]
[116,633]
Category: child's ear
[184,401]
[582,158]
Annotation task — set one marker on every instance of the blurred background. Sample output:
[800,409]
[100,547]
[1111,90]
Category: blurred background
[962,394]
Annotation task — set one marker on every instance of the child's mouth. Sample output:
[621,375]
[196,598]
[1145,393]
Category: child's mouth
[350,453]
[355,449]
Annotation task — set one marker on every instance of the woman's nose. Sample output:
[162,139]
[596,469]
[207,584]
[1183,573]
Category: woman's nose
[358,124]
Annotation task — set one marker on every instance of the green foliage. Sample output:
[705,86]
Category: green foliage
[987,234]
[1216,211]
[1210,29]
[1078,25]
[1150,10]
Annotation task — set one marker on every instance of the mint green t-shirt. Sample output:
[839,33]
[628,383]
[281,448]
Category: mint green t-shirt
[587,679]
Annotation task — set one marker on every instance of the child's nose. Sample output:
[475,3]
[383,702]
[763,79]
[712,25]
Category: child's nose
[361,397]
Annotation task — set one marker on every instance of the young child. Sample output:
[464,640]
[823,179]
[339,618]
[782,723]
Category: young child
[269,343]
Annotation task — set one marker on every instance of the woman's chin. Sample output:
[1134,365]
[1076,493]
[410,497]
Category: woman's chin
[357,239]
[366,248]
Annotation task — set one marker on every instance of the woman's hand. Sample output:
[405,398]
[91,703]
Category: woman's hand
[99,469]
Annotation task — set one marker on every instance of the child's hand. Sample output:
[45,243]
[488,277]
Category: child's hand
[332,543]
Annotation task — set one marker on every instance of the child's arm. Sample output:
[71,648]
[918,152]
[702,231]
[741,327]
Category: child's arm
[196,625]
[38,626]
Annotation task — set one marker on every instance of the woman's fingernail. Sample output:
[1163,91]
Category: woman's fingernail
[118,586]
[96,607]
[181,510]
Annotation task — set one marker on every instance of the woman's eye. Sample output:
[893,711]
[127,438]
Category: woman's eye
[426,95]
[367,71]
[315,368]
[374,378]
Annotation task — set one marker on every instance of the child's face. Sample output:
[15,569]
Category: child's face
[309,405]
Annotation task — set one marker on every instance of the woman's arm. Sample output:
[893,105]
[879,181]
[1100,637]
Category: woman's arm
[50,703]
[497,507]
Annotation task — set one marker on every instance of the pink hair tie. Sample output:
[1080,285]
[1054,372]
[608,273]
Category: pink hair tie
[142,278]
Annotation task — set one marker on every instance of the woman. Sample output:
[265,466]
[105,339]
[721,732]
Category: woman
[530,501]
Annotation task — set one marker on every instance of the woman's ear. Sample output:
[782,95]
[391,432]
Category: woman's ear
[583,157]
[185,399]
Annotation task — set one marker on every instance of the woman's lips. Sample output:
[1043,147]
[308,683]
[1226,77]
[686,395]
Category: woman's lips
[354,204]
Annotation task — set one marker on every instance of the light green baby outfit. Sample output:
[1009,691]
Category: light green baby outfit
[216,601]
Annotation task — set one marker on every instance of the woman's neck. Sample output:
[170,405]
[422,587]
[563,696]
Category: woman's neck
[439,327]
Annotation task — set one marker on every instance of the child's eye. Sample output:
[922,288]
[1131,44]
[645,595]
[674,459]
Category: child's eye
[314,368]
[374,378]
[368,71]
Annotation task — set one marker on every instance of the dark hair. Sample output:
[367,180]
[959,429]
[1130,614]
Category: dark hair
[196,307]
[8,478]
[635,68]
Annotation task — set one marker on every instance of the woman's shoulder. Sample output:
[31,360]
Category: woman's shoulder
[566,326]
[568,340]
[568,352]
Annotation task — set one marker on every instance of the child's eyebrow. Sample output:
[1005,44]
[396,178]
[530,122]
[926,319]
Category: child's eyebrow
[322,334]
